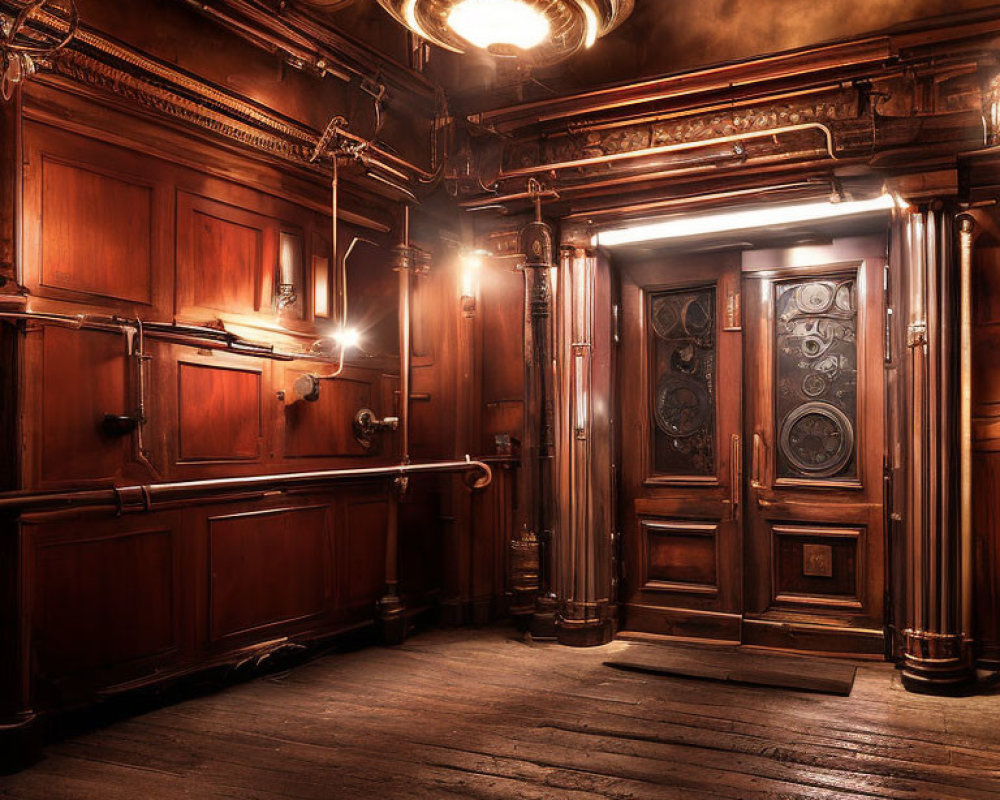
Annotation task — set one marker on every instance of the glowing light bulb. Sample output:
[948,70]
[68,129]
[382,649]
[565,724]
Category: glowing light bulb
[347,338]
[489,23]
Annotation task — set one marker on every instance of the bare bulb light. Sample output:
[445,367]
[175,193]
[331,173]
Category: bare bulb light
[492,23]
[347,338]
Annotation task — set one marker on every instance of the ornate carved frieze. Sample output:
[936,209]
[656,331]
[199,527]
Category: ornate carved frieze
[827,110]
[277,139]
[102,64]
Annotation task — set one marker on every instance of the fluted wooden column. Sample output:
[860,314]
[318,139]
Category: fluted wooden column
[583,540]
[937,635]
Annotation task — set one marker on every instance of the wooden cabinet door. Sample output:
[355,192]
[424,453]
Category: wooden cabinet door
[680,380]
[814,568]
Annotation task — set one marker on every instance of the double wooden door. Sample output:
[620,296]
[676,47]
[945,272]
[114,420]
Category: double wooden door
[752,452]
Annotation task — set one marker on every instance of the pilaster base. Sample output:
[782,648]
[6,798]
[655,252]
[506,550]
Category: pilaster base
[20,742]
[543,620]
[935,663]
[392,620]
[585,632]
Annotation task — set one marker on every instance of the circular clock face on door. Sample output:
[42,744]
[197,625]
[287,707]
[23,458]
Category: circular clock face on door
[817,438]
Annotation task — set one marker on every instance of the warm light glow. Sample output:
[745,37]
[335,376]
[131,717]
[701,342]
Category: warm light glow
[347,338]
[699,225]
[485,23]
[471,264]
[410,15]
[591,17]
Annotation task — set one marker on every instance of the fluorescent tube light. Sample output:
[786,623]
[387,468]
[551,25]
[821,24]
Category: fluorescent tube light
[699,225]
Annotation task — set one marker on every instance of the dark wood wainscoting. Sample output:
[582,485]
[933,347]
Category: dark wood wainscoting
[118,602]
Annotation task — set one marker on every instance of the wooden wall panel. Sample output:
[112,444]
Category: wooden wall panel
[817,566]
[680,556]
[986,446]
[96,232]
[502,324]
[218,413]
[83,377]
[324,427]
[102,602]
[226,257]
[267,567]
[364,529]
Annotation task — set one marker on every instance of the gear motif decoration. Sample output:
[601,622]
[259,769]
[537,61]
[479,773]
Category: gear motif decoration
[817,369]
[682,385]
[818,439]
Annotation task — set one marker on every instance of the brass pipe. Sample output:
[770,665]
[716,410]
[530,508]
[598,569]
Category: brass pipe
[726,77]
[404,266]
[147,497]
[966,228]
[187,335]
[673,148]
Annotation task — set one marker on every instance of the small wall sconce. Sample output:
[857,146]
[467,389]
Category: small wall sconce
[472,263]
[290,271]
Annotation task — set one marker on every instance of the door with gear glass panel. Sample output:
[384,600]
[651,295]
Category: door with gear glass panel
[680,378]
[814,566]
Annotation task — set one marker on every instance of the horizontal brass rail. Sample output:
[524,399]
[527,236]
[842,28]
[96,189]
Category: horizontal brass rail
[148,497]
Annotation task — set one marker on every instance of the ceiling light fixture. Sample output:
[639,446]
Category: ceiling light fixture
[688,226]
[535,31]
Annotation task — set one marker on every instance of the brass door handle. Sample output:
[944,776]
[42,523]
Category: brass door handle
[758,445]
[735,473]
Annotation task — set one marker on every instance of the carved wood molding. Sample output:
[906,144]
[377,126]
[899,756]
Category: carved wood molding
[246,126]
[892,104]
[98,63]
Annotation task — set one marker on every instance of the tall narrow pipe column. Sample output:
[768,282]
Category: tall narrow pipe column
[391,611]
[537,491]
[937,654]
[584,435]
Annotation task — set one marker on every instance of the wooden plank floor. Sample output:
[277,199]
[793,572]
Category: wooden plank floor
[480,714]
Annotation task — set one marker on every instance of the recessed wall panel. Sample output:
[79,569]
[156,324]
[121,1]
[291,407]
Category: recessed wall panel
[219,415]
[96,233]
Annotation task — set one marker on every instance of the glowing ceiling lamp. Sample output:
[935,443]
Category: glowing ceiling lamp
[535,31]
[687,226]
[488,23]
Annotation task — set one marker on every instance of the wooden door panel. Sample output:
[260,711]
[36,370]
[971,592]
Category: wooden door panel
[681,381]
[814,549]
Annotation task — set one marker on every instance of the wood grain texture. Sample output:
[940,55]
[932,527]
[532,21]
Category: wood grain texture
[102,601]
[96,232]
[219,413]
[267,567]
[83,377]
[478,714]
[221,256]
[323,427]
[363,565]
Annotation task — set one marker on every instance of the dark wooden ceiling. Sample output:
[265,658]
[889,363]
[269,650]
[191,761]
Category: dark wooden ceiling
[661,36]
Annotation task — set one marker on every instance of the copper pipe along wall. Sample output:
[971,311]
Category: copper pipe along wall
[718,78]
[966,227]
[146,497]
[672,148]
[404,266]
[188,335]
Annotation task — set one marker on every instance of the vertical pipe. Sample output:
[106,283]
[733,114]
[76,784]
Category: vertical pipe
[391,611]
[537,495]
[966,227]
[937,646]
[341,273]
[404,266]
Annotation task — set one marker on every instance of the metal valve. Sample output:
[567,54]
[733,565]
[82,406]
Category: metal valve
[367,424]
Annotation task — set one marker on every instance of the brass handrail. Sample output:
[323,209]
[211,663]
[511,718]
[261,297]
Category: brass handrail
[146,497]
